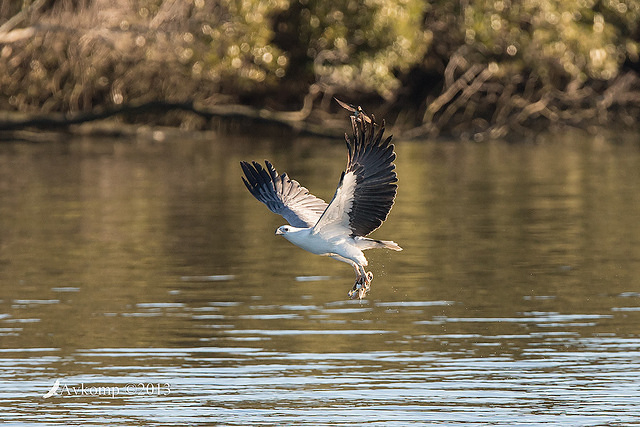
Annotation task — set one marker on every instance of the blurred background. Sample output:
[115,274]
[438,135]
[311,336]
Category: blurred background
[481,69]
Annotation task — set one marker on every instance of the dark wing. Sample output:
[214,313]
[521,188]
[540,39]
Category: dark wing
[282,195]
[367,187]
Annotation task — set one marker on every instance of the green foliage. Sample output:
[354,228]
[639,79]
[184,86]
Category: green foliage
[357,44]
[241,52]
[574,39]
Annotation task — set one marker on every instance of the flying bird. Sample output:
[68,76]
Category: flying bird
[362,201]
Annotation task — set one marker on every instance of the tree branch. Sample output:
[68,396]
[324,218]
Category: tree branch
[292,120]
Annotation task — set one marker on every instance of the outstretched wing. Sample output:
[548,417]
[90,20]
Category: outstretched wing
[367,187]
[282,195]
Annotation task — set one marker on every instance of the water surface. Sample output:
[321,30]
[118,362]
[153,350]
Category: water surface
[146,280]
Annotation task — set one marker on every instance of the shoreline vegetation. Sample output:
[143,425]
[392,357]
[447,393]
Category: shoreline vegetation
[499,69]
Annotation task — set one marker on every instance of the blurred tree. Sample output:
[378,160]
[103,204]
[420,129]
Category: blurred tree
[487,65]
[571,39]
[353,44]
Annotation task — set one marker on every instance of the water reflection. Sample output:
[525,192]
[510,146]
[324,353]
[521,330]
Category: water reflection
[132,263]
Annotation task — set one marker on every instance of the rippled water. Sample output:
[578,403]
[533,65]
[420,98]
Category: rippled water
[145,281]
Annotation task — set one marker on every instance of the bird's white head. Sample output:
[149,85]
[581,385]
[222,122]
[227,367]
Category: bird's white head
[284,229]
[293,234]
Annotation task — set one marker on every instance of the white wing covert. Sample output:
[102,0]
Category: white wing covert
[282,195]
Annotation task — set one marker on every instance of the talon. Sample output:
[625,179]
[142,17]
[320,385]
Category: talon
[362,292]
[358,293]
[357,289]
[361,287]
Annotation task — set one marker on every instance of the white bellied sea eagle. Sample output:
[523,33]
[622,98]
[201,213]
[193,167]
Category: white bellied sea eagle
[363,199]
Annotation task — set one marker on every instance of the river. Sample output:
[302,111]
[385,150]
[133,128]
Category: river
[141,283]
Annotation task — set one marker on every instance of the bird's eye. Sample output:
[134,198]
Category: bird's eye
[286,228]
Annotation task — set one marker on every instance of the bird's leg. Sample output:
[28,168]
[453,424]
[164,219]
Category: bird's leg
[358,286]
[363,282]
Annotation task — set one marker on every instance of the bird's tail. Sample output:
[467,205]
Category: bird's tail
[388,244]
[366,243]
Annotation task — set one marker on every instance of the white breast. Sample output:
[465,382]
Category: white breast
[314,243]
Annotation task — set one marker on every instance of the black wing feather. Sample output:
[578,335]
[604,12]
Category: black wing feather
[371,160]
[282,195]
[364,203]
